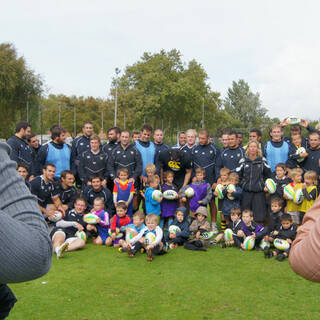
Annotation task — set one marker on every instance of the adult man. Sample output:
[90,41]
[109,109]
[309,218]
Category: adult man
[21,152]
[65,189]
[231,156]
[113,138]
[225,140]
[191,141]
[312,161]
[33,142]
[81,144]
[206,155]
[56,152]
[125,155]
[43,188]
[160,146]
[97,190]
[93,162]
[276,150]
[181,140]
[180,163]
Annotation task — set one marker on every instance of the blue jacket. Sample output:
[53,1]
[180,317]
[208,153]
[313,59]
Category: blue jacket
[152,206]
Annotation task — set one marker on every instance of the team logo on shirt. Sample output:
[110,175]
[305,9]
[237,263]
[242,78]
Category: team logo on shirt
[174,165]
[117,151]
[131,152]
[101,158]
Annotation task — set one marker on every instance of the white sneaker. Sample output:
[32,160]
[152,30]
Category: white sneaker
[214,229]
[60,250]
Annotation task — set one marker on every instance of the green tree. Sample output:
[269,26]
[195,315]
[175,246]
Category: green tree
[19,86]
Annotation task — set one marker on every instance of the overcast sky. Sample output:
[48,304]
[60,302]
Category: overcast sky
[77,44]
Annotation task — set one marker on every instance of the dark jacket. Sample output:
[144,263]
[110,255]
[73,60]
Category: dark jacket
[184,225]
[253,173]
[79,145]
[228,204]
[287,233]
[230,158]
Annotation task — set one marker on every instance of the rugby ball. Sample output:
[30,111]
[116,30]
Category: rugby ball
[207,235]
[170,195]
[81,235]
[189,192]
[174,229]
[228,234]
[219,191]
[264,244]
[149,238]
[232,188]
[293,121]
[248,243]
[298,196]
[130,233]
[118,235]
[56,216]
[271,186]
[281,244]
[288,190]
[90,218]
[157,195]
[299,151]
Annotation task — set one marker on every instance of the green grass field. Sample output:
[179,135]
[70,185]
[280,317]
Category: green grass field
[101,283]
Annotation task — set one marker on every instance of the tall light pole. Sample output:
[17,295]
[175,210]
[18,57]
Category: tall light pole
[117,70]
[202,114]
[74,118]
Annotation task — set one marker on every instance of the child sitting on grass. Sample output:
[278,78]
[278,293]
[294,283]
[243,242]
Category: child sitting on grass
[288,232]
[64,236]
[118,223]
[178,238]
[249,228]
[235,225]
[103,223]
[142,240]
[132,229]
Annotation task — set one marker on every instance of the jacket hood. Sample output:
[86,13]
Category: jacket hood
[184,210]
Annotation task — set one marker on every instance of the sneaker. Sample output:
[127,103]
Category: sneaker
[213,243]
[131,254]
[149,255]
[267,253]
[280,257]
[142,250]
[62,249]
[121,249]
[214,229]
[223,245]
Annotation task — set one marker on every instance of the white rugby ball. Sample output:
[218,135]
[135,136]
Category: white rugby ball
[189,192]
[293,121]
[248,243]
[219,191]
[174,229]
[207,235]
[288,190]
[264,244]
[271,186]
[157,195]
[81,235]
[118,235]
[299,151]
[56,216]
[170,195]
[231,187]
[228,234]
[298,196]
[149,238]
[281,244]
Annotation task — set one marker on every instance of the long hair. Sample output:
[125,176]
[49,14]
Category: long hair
[259,152]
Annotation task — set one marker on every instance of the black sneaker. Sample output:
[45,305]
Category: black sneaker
[223,245]
[267,253]
[280,257]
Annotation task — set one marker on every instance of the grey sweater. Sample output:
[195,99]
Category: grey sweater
[25,246]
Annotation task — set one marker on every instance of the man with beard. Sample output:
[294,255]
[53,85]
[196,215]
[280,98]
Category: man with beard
[93,162]
[21,152]
[160,146]
[79,145]
[66,190]
[33,142]
[312,161]
[206,155]
[224,140]
[125,155]
[56,152]
[181,140]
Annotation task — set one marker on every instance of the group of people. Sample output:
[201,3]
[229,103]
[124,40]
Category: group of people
[141,195]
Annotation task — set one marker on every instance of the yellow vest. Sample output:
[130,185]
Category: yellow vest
[307,204]
[291,206]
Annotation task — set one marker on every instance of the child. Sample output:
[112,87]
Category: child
[295,159]
[118,223]
[103,223]
[152,206]
[123,190]
[231,198]
[223,180]
[310,192]
[23,171]
[63,235]
[168,207]
[292,208]
[275,215]
[198,227]
[174,239]
[250,228]
[132,229]
[202,192]
[138,242]
[150,171]
[288,232]
[235,225]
